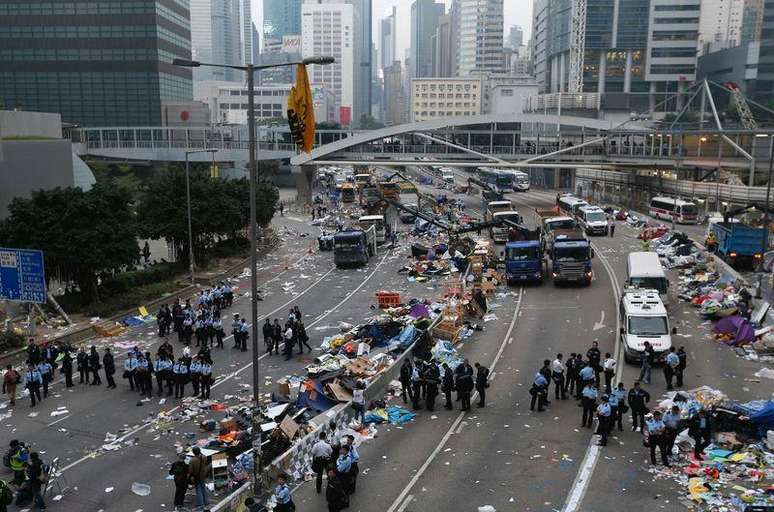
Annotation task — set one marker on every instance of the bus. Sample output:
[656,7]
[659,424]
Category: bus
[497,177]
[347,192]
[377,221]
[520,181]
[683,212]
[571,204]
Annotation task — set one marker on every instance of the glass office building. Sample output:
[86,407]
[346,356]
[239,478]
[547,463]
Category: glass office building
[106,63]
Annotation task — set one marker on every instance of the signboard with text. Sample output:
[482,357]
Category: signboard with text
[22,276]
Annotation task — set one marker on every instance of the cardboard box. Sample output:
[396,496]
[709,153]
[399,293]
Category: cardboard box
[283,387]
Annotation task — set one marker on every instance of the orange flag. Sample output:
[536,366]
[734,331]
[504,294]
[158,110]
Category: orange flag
[301,111]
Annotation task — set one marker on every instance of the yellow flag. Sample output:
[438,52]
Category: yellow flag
[301,111]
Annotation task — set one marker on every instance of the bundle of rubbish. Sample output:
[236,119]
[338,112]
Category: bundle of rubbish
[652,232]
[676,250]
[737,468]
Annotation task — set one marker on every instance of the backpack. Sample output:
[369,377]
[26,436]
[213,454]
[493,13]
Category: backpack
[44,471]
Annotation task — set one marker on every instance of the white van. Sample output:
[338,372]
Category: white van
[644,271]
[593,220]
[643,318]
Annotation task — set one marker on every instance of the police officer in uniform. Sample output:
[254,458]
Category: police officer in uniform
[161,367]
[589,402]
[195,372]
[110,368]
[683,357]
[217,326]
[44,367]
[236,331]
[32,381]
[538,391]
[604,416]
[130,369]
[671,363]
[180,369]
[594,356]
[205,370]
[617,401]
[586,375]
[557,374]
[432,378]
[447,385]
[657,438]
[94,365]
[82,362]
[672,422]
[482,382]
[638,398]
[571,374]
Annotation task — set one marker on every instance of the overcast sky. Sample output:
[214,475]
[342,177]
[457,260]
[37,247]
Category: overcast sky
[517,12]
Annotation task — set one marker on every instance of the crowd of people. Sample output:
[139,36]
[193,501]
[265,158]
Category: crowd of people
[420,380]
[291,334]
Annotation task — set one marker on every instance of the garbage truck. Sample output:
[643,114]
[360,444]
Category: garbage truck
[738,243]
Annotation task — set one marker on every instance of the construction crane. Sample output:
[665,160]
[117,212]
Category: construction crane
[742,108]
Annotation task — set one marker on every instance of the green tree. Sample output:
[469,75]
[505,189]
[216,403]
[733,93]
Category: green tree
[367,122]
[82,234]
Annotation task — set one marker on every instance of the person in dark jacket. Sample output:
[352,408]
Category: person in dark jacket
[431,378]
[336,493]
[82,362]
[482,382]
[67,369]
[94,366]
[465,384]
[35,474]
[447,385]
[681,367]
[268,333]
[405,380]
[179,472]
[700,429]
[638,399]
[110,368]
[301,337]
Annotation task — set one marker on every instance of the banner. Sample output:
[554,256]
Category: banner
[301,111]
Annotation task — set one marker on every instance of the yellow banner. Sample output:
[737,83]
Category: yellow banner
[301,111]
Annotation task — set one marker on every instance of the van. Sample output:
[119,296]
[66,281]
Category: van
[643,318]
[448,177]
[593,220]
[644,271]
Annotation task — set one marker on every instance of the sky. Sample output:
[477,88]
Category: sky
[517,12]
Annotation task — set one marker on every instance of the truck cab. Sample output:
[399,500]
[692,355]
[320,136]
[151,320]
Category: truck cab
[643,318]
[351,247]
[552,225]
[571,260]
[500,233]
[523,261]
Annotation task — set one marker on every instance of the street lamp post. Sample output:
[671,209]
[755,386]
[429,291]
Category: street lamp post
[250,69]
[191,266]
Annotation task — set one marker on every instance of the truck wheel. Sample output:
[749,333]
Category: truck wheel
[627,359]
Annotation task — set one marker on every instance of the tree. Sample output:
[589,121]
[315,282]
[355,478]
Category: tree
[266,197]
[367,122]
[81,234]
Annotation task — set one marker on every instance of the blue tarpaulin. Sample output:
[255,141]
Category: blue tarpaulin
[399,415]
[132,321]
[406,336]
[320,402]
[761,415]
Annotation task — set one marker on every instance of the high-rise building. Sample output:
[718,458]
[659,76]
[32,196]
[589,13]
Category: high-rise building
[752,21]
[764,87]
[424,21]
[480,36]
[516,37]
[394,101]
[629,46]
[256,47]
[363,63]
[387,40]
[98,63]
[443,57]
[720,24]
[281,18]
[328,29]
[221,33]
[432,98]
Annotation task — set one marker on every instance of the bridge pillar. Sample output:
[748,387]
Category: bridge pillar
[304,178]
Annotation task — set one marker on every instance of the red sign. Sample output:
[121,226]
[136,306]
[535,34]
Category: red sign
[184,116]
[345,115]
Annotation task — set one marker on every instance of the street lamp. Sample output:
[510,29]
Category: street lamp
[188,206]
[250,69]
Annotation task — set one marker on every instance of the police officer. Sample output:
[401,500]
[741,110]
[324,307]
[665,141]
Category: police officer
[579,365]
[604,416]
[657,438]
[571,374]
[228,294]
[405,380]
[617,401]
[538,391]
[586,375]
[482,382]
[160,367]
[447,386]
[700,429]
[130,369]
[465,384]
[205,371]
[681,367]
[236,330]
[82,362]
[44,367]
[672,422]
[32,381]
[217,326]
[589,402]
[354,458]
[195,372]
[416,385]
[277,335]
[187,329]
[110,368]
[67,369]
[671,362]
[546,371]
[594,356]
[638,398]
[321,456]
[431,378]
[557,374]
[148,375]
[94,365]
[244,330]
[343,467]
[608,369]
[180,369]
[141,375]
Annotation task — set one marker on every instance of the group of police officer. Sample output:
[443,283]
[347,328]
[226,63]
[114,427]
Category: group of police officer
[139,370]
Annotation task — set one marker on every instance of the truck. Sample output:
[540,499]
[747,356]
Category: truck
[493,207]
[524,261]
[353,247]
[550,226]
[738,243]
[571,256]
[347,192]
[500,233]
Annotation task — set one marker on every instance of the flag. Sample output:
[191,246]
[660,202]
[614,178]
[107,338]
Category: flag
[301,111]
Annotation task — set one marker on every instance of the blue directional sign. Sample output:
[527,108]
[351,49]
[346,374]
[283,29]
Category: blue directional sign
[22,277]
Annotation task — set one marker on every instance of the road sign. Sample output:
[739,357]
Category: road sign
[22,277]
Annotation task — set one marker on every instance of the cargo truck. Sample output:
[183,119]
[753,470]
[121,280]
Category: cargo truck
[738,243]
[524,261]
[571,256]
[353,247]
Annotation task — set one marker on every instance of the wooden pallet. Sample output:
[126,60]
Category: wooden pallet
[109,329]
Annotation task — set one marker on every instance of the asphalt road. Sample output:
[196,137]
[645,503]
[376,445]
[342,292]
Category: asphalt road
[502,455]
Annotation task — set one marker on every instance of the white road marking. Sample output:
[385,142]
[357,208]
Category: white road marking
[599,325]
[462,425]
[57,421]
[402,496]
[582,480]
[406,502]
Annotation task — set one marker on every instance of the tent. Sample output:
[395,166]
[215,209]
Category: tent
[741,330]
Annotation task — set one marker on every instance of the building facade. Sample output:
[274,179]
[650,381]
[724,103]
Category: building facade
[328,29]
[516,37]
[738,65]
[720,24]
[432,98]
[281,18]
[764,88]
[479,35]
[752,21]
[425,15]
[105,63]
[394,107]
[387,40]
[443,42]
[221,33]
[507,94]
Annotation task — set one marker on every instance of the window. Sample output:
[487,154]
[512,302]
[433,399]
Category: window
[506,92]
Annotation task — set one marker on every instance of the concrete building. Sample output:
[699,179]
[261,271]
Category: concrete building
[432,98]
[281,26]
[363,40]
[36,157]
[100,63]
[505,94]
[329,29]
[221,33]
[516,37]
[720,24]
[394,101]
[425,15]
[764,88]
[227,102]
[752,21]
[636,52]
[388,40]
[444,59]
[738,65]
[480,36]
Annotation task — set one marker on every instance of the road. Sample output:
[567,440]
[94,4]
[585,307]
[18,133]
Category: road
[502,455]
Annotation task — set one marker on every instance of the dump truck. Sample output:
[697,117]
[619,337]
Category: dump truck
[740,244]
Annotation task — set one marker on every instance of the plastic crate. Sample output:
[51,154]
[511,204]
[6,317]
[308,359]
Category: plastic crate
[388,299]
